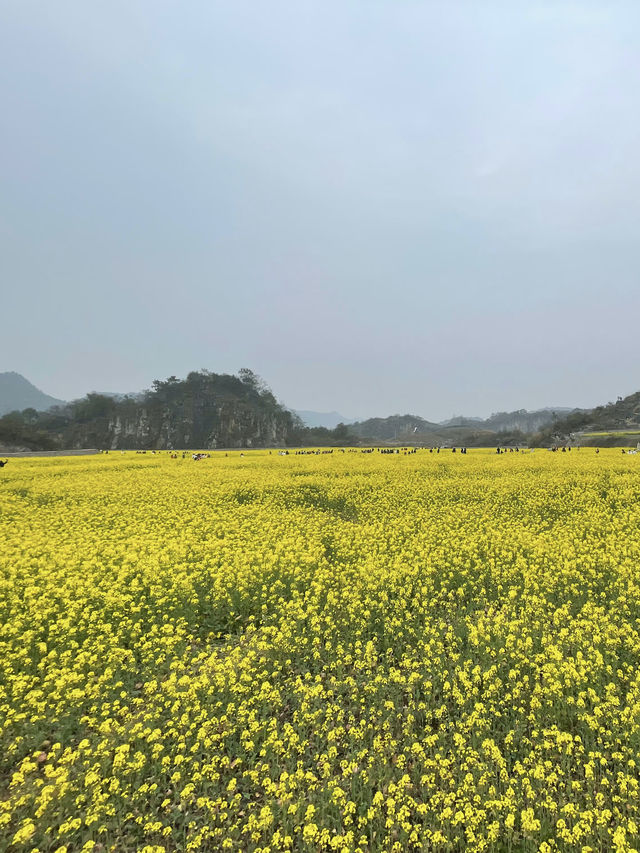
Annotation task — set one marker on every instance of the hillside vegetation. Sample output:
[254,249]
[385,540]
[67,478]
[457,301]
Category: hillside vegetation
[210,410]
[500,428]
[614,420]
[206,410]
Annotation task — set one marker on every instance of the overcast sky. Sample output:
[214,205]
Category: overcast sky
[380,207]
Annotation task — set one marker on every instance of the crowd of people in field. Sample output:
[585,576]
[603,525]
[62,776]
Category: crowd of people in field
[317,452]
[406,451]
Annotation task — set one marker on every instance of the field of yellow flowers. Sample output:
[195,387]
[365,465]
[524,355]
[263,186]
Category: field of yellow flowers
[336,652]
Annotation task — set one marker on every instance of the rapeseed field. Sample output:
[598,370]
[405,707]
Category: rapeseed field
[337,652]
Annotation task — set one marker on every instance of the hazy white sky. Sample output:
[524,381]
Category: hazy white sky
[380,207]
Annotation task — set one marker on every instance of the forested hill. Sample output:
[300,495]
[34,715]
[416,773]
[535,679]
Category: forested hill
[621,416]
[205,410]
[395,427]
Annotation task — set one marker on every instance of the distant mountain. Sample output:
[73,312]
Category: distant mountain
[458,429]
[330,420]
[520,420]
[395,427]
[17,393]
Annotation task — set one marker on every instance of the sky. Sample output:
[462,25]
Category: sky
[381,207]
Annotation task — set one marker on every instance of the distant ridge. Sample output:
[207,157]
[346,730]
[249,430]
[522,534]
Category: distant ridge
[17,393]
[407,427]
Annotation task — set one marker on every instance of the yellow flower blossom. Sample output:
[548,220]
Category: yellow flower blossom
[324,652]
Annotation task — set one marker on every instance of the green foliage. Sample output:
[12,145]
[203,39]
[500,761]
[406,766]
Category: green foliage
[395,427]
[303,436]
[20,429]
[621,415]
[205,410]
[92,406]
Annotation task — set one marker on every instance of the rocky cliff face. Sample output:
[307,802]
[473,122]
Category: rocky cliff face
[219,426]
[204,411]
